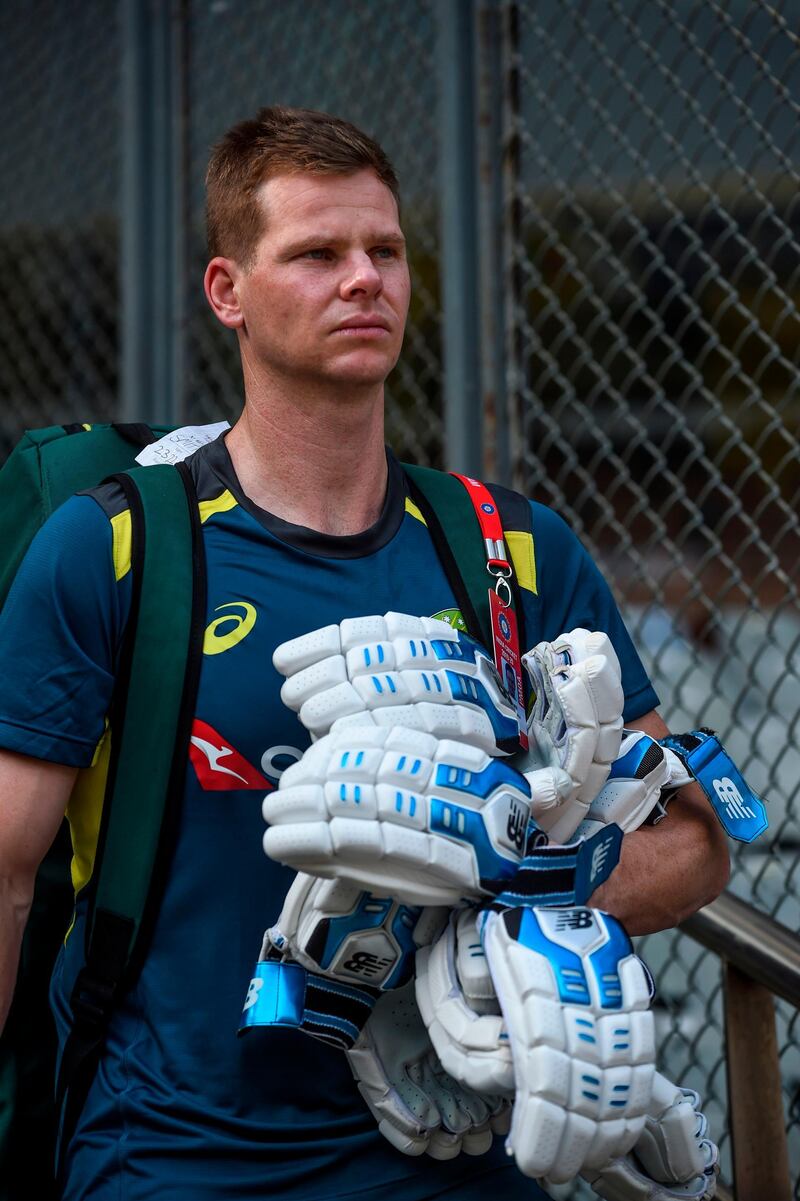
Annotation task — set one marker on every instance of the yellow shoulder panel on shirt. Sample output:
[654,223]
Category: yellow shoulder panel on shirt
[414,511]
[520,544]
[220,504]
[84,812]
[121,543]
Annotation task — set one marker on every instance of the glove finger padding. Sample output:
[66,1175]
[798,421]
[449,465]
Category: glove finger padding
[398,669]
[334,928]
[418,1107]
[642,779]
[575,723]
[672,1160]
[400,813]
[575,1001]
[460,1008]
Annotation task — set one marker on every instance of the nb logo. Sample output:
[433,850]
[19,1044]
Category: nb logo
[252,993]
[364,963]
[732,799]
[599,856]
[226,631]
[517,826]
[575,919]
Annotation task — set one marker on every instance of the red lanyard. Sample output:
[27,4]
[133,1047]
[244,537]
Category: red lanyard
[505,634]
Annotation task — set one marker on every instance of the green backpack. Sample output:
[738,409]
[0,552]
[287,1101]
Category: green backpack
[149,757]
[45,469]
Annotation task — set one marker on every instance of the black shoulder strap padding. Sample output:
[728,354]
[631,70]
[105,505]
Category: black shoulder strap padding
[74,427]
[457,539]
[136,432]
[151,717]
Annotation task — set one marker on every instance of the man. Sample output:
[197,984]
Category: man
[306,521]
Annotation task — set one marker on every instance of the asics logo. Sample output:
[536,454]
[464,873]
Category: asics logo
[228,630]
[364,963]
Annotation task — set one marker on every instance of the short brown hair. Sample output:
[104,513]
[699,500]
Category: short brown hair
[278,140]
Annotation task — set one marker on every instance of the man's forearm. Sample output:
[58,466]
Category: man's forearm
[15,904]
[668,871]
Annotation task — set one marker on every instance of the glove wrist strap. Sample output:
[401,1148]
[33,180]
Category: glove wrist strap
[562,875]
[285,994]
[740,812]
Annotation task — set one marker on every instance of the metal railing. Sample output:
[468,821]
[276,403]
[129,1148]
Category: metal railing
[760,960]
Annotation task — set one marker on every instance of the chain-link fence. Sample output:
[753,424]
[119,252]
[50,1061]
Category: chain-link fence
[59,160]
[657,272]
[648,195]
[378,73]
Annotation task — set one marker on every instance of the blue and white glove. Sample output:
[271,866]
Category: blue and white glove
[575,1001]
[459,1005]
[333,928]
[575,723]
[419,1108]
[424,675]
[402,814]
[673,1159]
[642,777]
[398,670]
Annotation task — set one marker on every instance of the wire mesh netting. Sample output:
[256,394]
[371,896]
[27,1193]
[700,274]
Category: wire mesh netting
[59,74]
[380,74]
[657,271]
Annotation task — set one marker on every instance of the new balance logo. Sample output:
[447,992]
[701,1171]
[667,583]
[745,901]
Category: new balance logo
[575,919]
[517,825]
[732,799]
[599,856]
[364,963]
[252,993]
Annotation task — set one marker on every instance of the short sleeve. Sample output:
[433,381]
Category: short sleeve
[573,592]
[60,629]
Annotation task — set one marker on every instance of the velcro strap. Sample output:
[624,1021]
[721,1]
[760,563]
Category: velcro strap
[556,875]
[740,812]
[285,994]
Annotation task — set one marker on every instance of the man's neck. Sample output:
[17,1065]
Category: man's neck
[317,461]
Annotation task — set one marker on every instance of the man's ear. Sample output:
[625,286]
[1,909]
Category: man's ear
[219,284]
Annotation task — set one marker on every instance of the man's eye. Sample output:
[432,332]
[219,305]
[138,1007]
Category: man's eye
[319,253]
[384,252]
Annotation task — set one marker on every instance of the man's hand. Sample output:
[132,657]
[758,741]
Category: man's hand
[401,814]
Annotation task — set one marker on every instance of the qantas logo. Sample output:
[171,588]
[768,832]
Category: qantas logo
[219,766]
[228,630]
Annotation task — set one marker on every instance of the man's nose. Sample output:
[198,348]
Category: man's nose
[361,278]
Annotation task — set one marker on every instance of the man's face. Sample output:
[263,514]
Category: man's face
[327,295]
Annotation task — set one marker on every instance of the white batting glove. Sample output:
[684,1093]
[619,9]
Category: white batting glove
[401,814]
[418,1107]
[575,1001]
[398,670]
[643,773]
[673,1160]
[459,1006]
[335,929]
[575,724]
